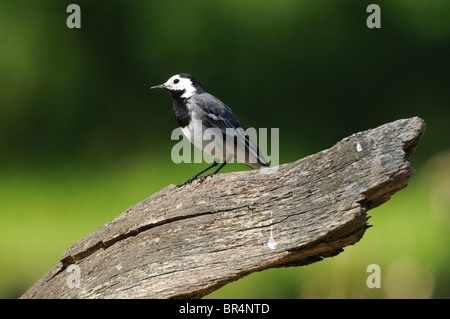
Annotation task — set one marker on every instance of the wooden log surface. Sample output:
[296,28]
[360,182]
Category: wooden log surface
[187,242]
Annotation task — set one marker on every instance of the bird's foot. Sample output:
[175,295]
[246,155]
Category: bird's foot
[190,180]
[200,179]
[203,178]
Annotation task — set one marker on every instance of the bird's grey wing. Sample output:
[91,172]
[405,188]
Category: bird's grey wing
[217,114]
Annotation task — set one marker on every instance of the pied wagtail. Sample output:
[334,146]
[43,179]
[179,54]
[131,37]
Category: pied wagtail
[197,111]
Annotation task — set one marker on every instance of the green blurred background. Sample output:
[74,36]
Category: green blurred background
[82,138]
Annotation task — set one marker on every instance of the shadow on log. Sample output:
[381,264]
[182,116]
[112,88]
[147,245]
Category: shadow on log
[187,242]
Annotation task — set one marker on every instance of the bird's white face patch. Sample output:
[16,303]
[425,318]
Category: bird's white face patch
[178,83]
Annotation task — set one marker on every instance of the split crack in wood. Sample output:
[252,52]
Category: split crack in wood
[190,241]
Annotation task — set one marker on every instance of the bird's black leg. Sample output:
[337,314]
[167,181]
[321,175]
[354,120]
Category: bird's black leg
[220,167]
[196,175]
[202,178]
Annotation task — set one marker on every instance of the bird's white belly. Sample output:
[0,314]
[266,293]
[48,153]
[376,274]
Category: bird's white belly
[195,133]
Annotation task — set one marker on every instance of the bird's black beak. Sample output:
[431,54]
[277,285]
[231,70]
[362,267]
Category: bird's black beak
[158,87]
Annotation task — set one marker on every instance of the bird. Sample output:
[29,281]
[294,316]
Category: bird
[197,112]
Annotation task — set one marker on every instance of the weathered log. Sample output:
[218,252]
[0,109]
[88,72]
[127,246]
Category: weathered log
[190,241]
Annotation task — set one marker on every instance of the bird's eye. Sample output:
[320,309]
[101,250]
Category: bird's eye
[176,81]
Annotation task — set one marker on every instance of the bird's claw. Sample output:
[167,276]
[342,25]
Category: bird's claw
[203,178]
[190,180]
[200,180]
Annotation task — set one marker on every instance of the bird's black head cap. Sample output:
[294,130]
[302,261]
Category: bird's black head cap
[194,81]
